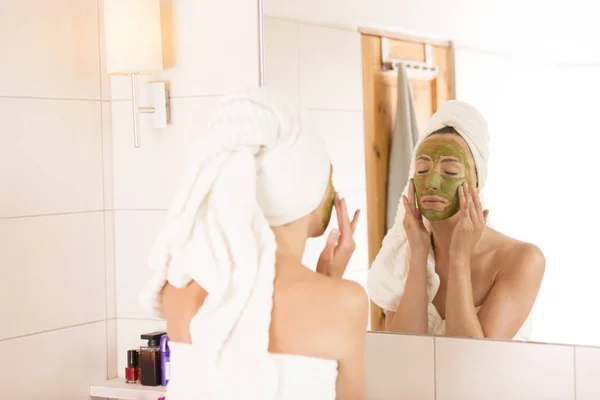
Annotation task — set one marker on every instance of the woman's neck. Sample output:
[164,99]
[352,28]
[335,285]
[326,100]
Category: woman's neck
[441,234]
[291,240]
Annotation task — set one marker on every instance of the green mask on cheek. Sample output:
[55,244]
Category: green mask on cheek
[328,207]
[437,179]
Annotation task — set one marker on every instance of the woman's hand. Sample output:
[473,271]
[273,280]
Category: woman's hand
[340,243]
[416,233]
[470,225]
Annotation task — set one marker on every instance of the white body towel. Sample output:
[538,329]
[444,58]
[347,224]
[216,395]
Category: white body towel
[253,168]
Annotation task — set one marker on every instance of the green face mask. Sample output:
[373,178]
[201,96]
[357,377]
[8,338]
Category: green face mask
[436,176]
[328,206]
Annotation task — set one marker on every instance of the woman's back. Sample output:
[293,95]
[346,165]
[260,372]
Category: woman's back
[317,334]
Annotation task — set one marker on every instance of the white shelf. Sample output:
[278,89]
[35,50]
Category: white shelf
[118,389]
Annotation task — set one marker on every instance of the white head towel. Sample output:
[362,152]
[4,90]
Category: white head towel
[387,276]
[253,168]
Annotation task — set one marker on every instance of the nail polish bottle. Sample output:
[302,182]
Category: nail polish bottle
[131,371]
[150,359]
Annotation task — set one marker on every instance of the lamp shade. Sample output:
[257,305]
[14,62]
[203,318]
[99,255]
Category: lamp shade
[132,36]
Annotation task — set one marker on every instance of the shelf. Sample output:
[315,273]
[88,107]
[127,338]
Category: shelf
[118,389]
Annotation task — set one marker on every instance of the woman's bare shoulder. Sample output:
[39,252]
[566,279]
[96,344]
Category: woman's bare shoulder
[348,313]
[317,315]
[516,255]
[345,298]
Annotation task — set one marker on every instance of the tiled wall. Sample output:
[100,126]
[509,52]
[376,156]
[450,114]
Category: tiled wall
[492,26]
[427,368]
[208,51]
[54,202]
[320,68]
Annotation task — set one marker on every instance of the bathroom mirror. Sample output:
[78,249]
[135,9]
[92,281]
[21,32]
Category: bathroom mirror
[534,87]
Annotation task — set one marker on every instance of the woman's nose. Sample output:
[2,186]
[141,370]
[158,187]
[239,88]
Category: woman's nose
[433,182]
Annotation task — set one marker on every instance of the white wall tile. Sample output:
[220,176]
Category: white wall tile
[281,56]
[342,13]
[109,257]
[104,77]
[51,156]
[111,348]
[330,69]
[107,156]
[128,337]
[55,365]
[135,234]
[50,49]
[360,258]
[209,48]
[501,27]
[494,370]
[587,369]
[491,83]
[146,177]
[344,135]
[53,272]
[399,367]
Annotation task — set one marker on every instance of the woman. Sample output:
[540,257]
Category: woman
[441,270]
[245,318]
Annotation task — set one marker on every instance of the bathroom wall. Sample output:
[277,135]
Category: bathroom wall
[535,87]
[209,50]
[542,152]
[428,368]
[55,213]
[320,68]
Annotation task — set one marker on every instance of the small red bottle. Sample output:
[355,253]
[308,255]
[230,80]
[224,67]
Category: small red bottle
[132,370]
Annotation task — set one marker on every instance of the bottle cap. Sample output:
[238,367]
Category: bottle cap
[132,358]
[153,338]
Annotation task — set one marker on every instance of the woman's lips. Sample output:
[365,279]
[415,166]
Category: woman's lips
[434,202]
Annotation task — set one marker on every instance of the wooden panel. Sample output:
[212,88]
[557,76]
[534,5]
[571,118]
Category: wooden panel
[379,102]
[375,161]
[377,32]
[406,50]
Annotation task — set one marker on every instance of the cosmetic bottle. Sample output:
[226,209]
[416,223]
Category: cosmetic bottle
[139,369]
[150,359]
[165,360]
[132,369]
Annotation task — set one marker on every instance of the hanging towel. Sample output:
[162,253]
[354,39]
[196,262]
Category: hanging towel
[252,169]
[403,141]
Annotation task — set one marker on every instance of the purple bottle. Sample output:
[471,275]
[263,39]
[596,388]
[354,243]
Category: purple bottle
[165,360]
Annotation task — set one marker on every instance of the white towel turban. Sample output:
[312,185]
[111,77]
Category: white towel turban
[388,273]
[253,168]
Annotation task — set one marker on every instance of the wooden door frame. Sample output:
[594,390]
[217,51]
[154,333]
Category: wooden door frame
[378,123]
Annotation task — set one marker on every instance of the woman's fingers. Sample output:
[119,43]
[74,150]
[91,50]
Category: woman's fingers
[471,210]
[408,209]
[411,196]
[346,242]
[354,222]
[478,206]
[344,221]
[462,198]
[337,202]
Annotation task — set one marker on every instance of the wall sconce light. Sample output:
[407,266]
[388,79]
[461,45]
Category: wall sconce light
[133,42]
